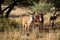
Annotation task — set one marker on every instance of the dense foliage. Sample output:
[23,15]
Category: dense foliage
[56,3]
[42,7]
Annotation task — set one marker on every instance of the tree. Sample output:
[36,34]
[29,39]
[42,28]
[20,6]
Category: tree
[1,2]
[11,7]
[56,3]
[42,7]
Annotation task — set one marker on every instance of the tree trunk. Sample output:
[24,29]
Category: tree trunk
[1,2]
[10,9]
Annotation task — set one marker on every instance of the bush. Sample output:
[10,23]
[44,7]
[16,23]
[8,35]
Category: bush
[8,23]
[42,7]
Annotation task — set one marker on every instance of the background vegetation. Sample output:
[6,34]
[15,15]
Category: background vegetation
[11,30]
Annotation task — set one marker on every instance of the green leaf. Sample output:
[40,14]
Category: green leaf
[41,7]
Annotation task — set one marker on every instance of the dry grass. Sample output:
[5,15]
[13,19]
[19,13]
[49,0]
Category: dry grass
[16,34]
[35,35]
[20,34]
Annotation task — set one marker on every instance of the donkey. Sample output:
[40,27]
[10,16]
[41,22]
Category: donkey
[26,21]
[52,20]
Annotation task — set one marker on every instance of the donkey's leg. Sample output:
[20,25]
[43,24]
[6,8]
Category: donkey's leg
[28,26]
[52,24]
[39,27]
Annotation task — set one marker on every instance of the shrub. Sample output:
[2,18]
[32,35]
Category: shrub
[42,7]
[8,23]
